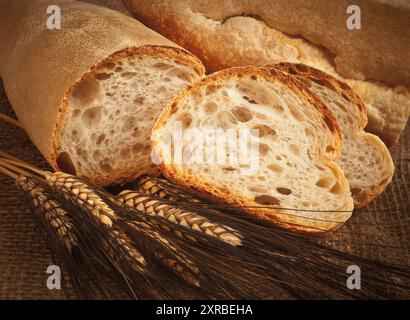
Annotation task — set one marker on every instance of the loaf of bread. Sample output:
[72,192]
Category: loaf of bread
[296,183]
[365,160]
[373,60]
[89,93]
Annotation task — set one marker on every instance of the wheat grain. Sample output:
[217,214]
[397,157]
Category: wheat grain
[185,218]
[48,209]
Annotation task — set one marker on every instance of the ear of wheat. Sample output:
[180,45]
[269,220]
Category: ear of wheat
[268,263]
[185,218]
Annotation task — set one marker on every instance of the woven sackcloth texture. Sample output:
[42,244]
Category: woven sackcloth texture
[381,231]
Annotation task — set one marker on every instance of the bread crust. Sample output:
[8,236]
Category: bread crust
[219,195]
[295,69]
[39,67]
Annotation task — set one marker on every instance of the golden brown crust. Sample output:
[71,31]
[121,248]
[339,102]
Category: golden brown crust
[222,195]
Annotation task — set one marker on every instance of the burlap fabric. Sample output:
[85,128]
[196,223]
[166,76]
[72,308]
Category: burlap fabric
[381,231]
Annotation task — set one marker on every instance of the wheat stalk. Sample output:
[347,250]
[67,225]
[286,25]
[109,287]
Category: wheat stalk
[185,218]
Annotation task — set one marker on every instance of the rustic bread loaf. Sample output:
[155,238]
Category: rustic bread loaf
[89,93]
[230,33]
[299,140]
[365,160]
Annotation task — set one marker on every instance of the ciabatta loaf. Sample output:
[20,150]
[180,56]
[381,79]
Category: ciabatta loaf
[296,183]
[89,93]
[365,160]
[373,60]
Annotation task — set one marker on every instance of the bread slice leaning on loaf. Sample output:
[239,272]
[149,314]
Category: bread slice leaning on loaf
[230,33]
[365,160]
[89,93]
[296,183]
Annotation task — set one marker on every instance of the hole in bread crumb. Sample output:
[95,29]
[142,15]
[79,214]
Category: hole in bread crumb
[355,191]
[108,65]
[251,101]
[230,169]
[185,119]
[92,117]
[100,139]
[294,149]
[125,152]
[139,100]
[263,149]
[309,132]
[263,131]
[86,91]
[75,136]
[128,124]
[324,182]
[212,88]
[103,76]
[267,200]
[284,191]
[210,107]
[76,113]
[337,189]
[138,147]
[97,155]
[330,149]
[242,114]
[297,115]
[106,167]
[119,69]
[65,163]
[128,75]
[162,66]
[275,168]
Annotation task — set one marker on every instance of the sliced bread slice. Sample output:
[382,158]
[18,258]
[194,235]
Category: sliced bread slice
[365,159]
[296,183]
[104,133]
